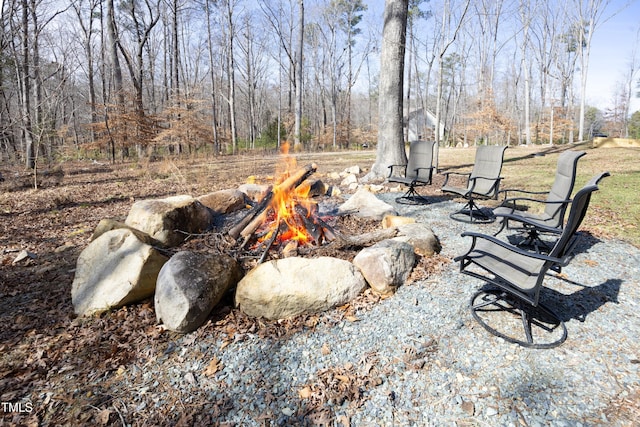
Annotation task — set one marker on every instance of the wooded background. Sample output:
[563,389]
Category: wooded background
[140,78]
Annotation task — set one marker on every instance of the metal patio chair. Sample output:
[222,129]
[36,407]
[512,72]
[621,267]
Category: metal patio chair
[483,182]
[515,277]
[551,220]
[417,172]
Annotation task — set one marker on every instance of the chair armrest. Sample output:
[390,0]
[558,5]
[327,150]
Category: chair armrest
[392,167]
[517,190]
[505,245]
[447,174]
[529,199]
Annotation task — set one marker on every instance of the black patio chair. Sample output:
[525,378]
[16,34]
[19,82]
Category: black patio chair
[515,277]
[483,182]
[417,172]
[551,219]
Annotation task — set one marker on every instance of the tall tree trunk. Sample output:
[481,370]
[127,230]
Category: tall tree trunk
[175,75]
[390,149]
[589,18]
[298,78]
[212,77]
[231,72]
[447,41]
[113,55]
[525,16]
[25,76]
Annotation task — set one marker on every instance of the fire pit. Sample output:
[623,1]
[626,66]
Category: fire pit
[298,253]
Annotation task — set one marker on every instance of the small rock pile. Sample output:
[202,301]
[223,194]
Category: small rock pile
[131,261]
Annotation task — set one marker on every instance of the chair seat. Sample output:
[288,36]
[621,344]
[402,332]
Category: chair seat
[522,271]
[457,190]
[408,181]
[543,219]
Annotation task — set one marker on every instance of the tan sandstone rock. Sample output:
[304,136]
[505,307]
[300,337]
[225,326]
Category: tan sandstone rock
[292,286]
[170,220]
[114,270]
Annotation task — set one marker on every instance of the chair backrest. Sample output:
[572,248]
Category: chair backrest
[488,164]
[579,206]
[420,156]
[563,185]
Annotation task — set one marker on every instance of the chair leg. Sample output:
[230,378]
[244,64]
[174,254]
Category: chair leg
[534,240]
[412,197]
[538,326]
[471,213]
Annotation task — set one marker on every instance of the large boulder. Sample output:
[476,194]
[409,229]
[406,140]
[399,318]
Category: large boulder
[292,286]
[190,285]
[111,224]
[115,269]
[364,203]
[254,191]
[224,201]
[386,265]
[170,220]
[421,237]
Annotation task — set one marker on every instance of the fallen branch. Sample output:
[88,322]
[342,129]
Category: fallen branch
[365,239]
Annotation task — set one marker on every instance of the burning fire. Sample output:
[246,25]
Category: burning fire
[290,208]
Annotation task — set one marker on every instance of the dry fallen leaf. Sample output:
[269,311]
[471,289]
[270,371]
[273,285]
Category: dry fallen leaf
[213,367]
[351,318]
[103,417]
[325,349]
[591,263]
[305,393]
[343,378]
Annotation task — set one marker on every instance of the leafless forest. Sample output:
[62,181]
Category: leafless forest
[118,79]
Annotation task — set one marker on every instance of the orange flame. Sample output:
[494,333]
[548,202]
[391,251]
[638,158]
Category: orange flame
[287,219]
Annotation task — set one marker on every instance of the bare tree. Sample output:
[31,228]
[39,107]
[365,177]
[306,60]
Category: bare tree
[25,86]
[630,77]
[589,15]
[212,79]
[229,30]
[140,24]
[525,20]
[448,37]
[86,14]
[390,149]
[298,76]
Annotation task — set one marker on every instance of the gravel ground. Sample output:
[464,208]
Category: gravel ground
[418,357]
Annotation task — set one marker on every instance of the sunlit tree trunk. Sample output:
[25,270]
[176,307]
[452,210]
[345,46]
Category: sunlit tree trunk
[298,77]
[589,17]
[390,149]
[231,70]
[447,39]
[87,31]
[25,77]
[525,17]
[212,77]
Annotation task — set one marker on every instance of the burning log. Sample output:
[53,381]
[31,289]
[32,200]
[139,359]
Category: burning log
[257,209]
[248,225]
